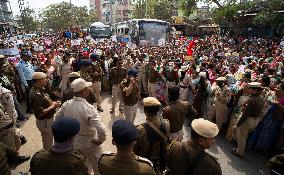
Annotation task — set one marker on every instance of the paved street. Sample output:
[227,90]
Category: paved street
[252,164]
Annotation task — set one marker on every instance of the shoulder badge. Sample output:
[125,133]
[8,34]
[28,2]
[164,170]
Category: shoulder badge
[144,160]
[41,151]
[75,154]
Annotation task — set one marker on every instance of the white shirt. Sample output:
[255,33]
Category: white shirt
[91,126]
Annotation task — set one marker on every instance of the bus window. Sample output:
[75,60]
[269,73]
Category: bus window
[126,31]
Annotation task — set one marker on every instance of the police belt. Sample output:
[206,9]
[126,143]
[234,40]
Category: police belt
[184,87]
[7,127]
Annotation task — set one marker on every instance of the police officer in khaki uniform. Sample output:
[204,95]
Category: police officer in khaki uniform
[43,108]
[152,75]
[250,118]
[118,74]
[141,67]
[96,73]
[221,95]
[61,159]
[69,94]
[124,135]
[190,157]
[154,134]
[177,112]
[130,94]
[171,75]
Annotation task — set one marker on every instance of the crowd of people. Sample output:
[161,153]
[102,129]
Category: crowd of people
[216,85]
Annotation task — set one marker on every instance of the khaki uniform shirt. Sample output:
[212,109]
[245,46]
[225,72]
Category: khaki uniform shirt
[96,72]
[177,112]
[152,75]
[6,153]
[221,95]
[253,108]
[114,164]
[143,144]
[117,75]
[39,101]
[133,97]
[49,162]
[180,158]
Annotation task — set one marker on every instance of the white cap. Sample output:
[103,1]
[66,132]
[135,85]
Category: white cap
[38,75]
[205,128]
[79,84]
[203,74]
[221,79]
[254,85]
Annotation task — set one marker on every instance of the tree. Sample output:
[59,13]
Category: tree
[157,9]
[27,19]
[65,15]
[187,6]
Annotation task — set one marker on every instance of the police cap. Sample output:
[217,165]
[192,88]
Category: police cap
[124,132]
[64,128]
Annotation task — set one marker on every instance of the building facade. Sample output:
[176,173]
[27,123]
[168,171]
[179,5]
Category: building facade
[6,15]
[113,11]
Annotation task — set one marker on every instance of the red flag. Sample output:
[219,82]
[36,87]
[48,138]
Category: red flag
[189,48]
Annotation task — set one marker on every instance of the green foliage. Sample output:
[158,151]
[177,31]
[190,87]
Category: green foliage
[157,9]
[187,6]
[65,15]
[266,12]
[28,20]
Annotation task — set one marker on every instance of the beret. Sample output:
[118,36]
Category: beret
[205,128]
[221,79]
[84,62]
[151,101]
[124,132]
[38,75]
[94,56]
[132,72]
[74,75]
[64,127]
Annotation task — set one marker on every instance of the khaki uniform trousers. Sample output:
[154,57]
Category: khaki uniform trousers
[10,138]
[116,95]
[219,113]
[243,131]
[142,83]
[44,126]
[152,90]
[97,89]
[130,112]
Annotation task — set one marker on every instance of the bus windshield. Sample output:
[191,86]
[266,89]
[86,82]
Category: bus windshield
[152,32]
[100,31]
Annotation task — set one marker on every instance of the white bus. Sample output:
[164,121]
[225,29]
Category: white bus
[143,32]
[100,30]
